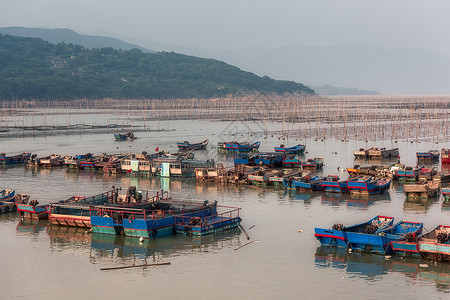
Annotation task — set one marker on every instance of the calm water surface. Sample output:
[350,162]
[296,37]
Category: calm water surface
[41,261]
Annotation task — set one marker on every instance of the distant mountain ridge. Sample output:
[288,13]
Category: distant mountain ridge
[31,68]
[328,90]
[365,67]
[361,66]
[58,35]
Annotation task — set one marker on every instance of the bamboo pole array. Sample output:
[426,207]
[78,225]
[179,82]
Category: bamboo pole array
[375,117]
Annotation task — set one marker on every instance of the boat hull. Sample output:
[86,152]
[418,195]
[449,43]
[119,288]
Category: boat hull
[334,186]
[213,225]
[403,248]
[330,237]
[33,212]
[68,220]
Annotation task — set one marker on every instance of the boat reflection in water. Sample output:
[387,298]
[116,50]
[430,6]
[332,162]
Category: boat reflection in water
[118,250]
[364,202]
[374,267]
[334,199]
[352,201]
[31,228]
[419,205]
[292,196]
[170,246]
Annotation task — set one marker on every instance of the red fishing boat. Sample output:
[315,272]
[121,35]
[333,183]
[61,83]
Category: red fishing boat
[445,156]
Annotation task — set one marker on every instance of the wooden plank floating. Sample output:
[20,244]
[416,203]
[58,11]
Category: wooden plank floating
[240,226]
[248,243]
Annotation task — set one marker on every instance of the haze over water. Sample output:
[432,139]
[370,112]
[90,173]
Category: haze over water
[53,261]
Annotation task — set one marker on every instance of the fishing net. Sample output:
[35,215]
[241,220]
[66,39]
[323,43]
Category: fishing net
[370,229]
[338,227]
[442,238]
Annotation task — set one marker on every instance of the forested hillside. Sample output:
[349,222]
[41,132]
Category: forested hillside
[31,68]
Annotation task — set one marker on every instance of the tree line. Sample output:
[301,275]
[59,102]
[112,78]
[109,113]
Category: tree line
[31,68]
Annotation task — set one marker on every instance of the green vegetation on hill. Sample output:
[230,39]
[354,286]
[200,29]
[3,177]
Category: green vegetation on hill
[31,68]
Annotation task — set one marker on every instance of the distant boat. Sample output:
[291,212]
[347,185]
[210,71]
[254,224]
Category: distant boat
[125,136]
[7,195]
[332,184]
[272,159]
[292,160]
[188,146]
[421,190]
[435,244]
[8,200]
[445,156]
[15,159]
[316,163]
[238,147]
[308,183]
[209,224]
[51,160]
[299,149]
[377,237]
[430,155]
[375,153]
[367,185]
[338,235]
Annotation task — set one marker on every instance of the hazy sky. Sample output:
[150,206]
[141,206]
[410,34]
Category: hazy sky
[233,24]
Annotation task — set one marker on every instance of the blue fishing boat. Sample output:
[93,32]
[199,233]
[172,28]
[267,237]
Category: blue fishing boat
[280,177]
[364,237]
[381,241]
[15,159]
[308,183]
[407,243]
[298,149]
[272,159]
[337,235]
[88,164]
[147,224]
[8,202]
[200,226]
[366,185]
[32,210]
[332,184]
[430,155]
[261,177]
[188,146]
[292,160]
[244,158]
[124,136]
[73,162]
[435,244]
[288,182]
[406,174]
[7,195]
[313,163]
[239,147]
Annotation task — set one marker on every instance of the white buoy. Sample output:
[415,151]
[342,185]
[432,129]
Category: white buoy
[141,239]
